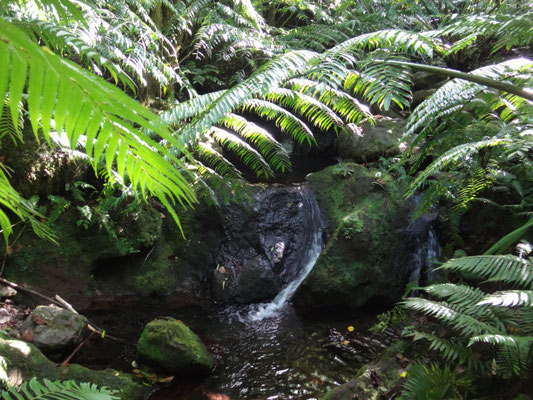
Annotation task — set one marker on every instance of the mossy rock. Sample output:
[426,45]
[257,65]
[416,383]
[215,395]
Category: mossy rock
[25,361]
[360,262]
[169,345]
[371,141]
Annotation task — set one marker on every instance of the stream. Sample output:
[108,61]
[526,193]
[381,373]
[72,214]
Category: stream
[268,350]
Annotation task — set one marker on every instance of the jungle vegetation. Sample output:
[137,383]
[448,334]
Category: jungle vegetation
[157,96]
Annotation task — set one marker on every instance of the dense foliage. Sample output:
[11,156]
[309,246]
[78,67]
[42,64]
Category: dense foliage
[206,72]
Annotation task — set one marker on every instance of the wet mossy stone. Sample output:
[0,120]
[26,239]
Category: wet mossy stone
[364,259]
[169,345]
[25,361]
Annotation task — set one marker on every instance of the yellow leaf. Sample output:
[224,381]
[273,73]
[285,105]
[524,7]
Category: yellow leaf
[346,342]
[136,371]
[351,329]
[166,380]
[403,374]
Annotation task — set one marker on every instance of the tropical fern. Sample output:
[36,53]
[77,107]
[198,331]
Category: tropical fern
[480,317]
[67,390]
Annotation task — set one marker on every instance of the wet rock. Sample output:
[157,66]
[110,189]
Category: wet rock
[26,361]
[266,243]
[168,344]
[53,329]
[367,142]
[363,260]
[7,291]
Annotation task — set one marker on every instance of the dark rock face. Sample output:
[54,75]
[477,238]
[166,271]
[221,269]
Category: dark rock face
[265,243]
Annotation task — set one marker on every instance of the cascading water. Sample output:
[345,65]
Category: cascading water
[268,310]
[427,250]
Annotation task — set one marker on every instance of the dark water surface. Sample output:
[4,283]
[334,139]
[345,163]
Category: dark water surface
[289,356]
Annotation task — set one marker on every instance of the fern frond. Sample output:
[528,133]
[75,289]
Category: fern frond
[452,96]
[504,268]
[453,316]
[246,153]
[267,146]
[209,155]
[509,298]
[53,390]
[84,104]
[284,120]
[431,382]
[451,350]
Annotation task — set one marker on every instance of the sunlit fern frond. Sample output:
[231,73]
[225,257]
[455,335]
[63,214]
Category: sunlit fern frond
[454,95]
[83,104]
[54,390]
[504,268]
[269,148]
[246,153]
[312,109]
[209,155]
[465,321]
[346,106]
[454,156]
[381,84]
[285,120]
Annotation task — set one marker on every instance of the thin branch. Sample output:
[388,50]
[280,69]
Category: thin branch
[503,86]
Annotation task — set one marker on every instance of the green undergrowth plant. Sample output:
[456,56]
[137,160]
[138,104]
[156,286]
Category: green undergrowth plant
[487,316]
[55,390]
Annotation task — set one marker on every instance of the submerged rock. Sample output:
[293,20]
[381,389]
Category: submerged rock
[363,260]
[53,329]
[168,344]
[26,361]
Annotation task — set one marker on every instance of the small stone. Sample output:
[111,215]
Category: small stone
[7,291]
[54,329]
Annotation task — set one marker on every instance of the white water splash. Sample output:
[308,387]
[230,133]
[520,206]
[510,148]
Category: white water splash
[262,311]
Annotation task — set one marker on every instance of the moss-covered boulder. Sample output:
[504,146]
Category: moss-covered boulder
[25,361]
[369,142]
[169,345]
[363,259]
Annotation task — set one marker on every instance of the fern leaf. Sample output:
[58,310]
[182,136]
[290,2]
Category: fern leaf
[505,268]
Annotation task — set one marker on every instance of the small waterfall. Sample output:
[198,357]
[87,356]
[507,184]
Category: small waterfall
[426,255]
[268,310]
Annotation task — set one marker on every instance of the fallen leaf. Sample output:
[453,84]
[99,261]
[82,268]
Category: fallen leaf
[166,380]
[351,329]
[217,396]
[346,342]
[27,336]
[38,319]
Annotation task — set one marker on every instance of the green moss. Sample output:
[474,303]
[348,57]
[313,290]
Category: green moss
[30,362]
[170,345]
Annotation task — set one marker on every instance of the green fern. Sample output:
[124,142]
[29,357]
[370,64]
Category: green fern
[67,390]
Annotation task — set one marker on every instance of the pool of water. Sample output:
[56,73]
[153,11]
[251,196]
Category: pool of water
[292,355]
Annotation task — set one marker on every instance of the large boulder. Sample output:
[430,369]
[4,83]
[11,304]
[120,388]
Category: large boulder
[26,361]
[53,329]
[367,143]
[365,257]
[168,344]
